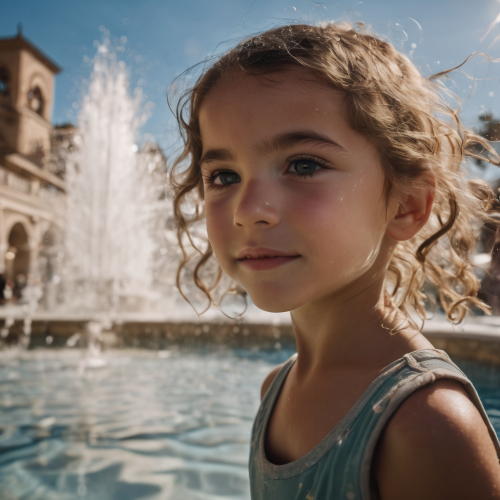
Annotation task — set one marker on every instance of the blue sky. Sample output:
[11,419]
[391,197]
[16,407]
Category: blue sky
[166,37]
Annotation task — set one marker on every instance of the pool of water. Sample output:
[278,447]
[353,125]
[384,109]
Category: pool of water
[140,424]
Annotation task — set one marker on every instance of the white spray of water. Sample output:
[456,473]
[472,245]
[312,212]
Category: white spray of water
[108,244]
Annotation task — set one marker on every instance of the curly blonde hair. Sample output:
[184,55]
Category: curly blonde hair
[414,129]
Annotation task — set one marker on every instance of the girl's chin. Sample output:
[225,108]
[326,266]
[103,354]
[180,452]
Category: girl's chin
[272,306]
[273,310]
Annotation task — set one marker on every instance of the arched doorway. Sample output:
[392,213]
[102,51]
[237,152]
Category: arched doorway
[17,258]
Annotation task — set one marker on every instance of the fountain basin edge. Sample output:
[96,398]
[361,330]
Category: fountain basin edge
[471,341]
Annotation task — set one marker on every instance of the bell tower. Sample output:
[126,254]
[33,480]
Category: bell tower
[26,98]
[32,195]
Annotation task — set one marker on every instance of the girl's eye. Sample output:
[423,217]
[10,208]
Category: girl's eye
[304,167]
[227,177]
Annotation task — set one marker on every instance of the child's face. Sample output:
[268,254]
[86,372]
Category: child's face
[261,135]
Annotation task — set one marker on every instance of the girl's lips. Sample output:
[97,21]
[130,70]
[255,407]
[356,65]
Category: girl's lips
[266,263]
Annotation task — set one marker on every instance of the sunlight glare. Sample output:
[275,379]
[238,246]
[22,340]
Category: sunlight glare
[492,25]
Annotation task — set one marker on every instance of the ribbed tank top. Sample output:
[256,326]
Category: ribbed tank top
[339,466]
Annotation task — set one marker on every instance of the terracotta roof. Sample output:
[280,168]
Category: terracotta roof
[20,42]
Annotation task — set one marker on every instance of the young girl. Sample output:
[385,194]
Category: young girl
[329,173]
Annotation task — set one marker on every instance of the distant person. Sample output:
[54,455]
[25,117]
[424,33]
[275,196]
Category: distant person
[9,287]
[19,284]
[329,173]
[3,283]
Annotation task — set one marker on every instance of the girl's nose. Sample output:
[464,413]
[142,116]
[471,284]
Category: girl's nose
[257,204]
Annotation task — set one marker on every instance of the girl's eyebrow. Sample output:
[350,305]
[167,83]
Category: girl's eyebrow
[277,143]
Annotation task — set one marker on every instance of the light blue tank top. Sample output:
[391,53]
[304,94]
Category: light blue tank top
[339,466]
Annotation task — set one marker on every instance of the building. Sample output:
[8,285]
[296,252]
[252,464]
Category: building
[32,191]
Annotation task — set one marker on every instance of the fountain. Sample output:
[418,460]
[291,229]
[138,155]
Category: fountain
[111,201]
[121,247]
[110,197]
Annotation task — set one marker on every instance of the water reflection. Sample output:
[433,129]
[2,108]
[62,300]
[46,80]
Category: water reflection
[167,425]
[172,424]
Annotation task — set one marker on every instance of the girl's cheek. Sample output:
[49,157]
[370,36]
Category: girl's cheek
[348,219]
[219,224]
[323,211]
[210,217]
[216,233]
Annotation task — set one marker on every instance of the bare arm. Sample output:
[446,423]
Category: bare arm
[437,447]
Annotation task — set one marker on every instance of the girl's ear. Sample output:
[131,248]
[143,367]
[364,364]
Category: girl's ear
[414,209]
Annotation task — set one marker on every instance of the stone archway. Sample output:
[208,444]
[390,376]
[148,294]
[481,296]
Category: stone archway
[17,257]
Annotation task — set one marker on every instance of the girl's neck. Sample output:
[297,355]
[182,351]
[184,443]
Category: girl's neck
[347,328]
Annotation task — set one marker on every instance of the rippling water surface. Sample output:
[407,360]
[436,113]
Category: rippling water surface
[142,424]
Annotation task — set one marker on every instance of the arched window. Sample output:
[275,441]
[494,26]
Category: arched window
[35,100]
[4,82]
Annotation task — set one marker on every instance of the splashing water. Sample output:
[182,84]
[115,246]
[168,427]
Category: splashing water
[109,197]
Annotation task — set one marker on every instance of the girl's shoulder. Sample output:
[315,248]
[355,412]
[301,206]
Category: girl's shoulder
[436,446]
